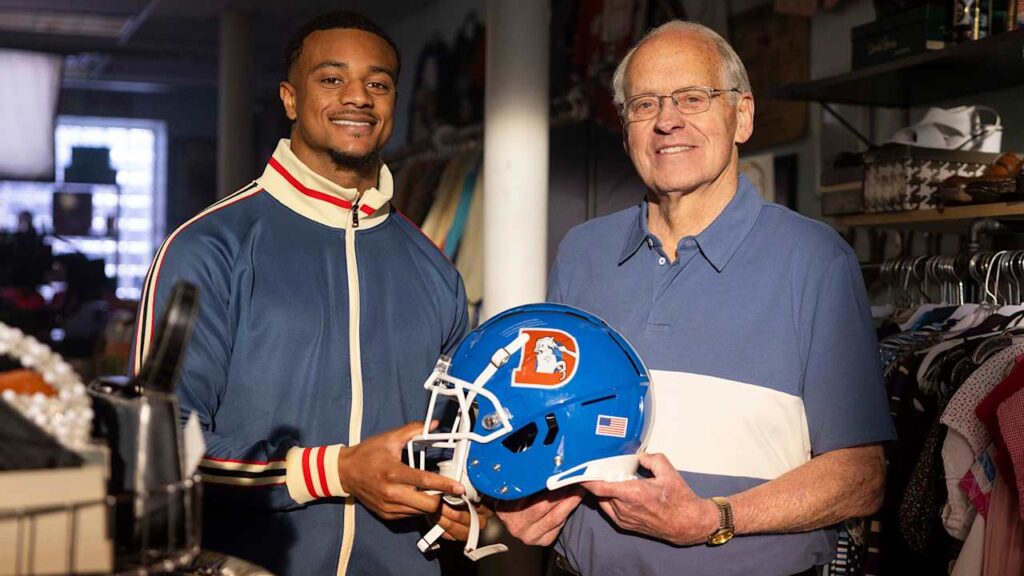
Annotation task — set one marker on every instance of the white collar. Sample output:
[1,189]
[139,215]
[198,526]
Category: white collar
[293,184]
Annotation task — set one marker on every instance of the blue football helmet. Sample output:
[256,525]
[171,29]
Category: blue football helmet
[548,395]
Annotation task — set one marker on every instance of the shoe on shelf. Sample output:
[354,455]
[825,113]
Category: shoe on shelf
[1001,182]
[958,128]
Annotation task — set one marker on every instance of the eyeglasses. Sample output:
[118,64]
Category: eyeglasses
[689,100]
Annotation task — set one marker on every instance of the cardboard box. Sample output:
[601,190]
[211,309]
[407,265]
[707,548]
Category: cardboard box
[842,199]
[38,509]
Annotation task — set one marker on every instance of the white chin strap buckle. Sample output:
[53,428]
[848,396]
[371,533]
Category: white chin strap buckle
[429,540]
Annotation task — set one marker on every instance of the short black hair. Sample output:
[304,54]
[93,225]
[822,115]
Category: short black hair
[330,21]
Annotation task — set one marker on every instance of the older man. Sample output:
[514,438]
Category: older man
[754,323]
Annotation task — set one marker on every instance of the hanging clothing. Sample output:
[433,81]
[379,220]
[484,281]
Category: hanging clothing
[439,219]
[1004,533]
[470,258]
[965,428]
[986,412]
[972,555]
[453,238]
[1011,426]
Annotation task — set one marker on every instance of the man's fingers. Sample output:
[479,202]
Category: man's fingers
[603,489]
[402,474]
[570,502]
[416,501]
[550,536]
[555,518]
[454,529]
[400,436]
[455,515]
[609,509]
[658,464]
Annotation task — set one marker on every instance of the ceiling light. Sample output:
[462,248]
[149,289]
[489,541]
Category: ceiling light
[63,23]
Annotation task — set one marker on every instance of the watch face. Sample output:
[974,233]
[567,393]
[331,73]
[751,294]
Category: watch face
[720,537]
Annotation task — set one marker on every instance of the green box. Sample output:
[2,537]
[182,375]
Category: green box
[904,34]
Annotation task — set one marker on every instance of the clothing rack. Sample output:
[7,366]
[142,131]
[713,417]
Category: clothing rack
[446,142]
[996,278]
[952,498]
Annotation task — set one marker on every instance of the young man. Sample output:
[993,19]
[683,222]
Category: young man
[321,313]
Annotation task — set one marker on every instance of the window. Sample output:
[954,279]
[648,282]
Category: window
[127,219]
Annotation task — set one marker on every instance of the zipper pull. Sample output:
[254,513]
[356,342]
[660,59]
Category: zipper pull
[355,215]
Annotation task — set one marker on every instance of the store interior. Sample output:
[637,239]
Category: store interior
[900,123]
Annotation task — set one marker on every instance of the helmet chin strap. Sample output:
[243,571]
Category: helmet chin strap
[429,540]
[456,468]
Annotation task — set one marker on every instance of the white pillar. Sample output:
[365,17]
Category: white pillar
[234,104]
[516,127]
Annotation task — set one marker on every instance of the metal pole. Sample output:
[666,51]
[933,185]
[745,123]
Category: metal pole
[234,110]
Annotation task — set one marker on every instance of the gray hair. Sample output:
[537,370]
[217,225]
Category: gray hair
[731,69]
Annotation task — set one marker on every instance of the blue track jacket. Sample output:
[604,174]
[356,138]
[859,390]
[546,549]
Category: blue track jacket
[320,316]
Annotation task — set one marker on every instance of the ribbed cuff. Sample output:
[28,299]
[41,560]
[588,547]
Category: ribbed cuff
[313,473]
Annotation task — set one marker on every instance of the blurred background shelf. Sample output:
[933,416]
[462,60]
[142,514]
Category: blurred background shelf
[984,65]
[926,219]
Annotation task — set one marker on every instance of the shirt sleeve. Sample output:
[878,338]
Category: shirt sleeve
[843,391]
[271,474]
[460,319]
[554,287]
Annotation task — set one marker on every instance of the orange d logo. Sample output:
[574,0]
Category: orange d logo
[548,359]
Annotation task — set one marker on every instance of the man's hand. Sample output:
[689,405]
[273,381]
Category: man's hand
[663,506]
[373,472]
[538,520]
[455,520]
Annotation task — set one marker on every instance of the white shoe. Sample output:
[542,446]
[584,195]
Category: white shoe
[959,128]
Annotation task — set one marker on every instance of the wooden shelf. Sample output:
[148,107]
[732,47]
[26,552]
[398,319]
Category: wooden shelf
[958,70]
[924,218]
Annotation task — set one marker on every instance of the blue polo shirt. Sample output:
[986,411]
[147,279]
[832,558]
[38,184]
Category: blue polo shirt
[762,354]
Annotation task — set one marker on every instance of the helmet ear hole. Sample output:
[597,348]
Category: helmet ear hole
[522,439]
[552,423]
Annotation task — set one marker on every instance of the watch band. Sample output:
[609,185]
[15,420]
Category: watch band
[726,528]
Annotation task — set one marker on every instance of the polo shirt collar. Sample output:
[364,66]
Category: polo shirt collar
[637,234]
[298,187]
[720,240]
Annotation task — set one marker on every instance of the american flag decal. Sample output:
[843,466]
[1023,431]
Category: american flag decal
[611,426]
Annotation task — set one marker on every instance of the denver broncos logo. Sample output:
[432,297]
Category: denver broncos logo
[548,359]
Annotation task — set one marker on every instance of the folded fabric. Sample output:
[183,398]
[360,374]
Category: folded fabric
[1011,426]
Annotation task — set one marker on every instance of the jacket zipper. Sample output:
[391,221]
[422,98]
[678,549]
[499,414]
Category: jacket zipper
[356,378]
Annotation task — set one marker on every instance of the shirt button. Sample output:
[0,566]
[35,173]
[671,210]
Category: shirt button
[661,261]
[650,243]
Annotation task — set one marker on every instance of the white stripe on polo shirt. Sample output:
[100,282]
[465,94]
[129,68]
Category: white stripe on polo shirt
[710,425]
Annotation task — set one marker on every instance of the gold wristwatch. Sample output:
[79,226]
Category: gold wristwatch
[726,529]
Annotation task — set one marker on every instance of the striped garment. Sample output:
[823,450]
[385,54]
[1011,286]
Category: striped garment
[761,354]
[320,315]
